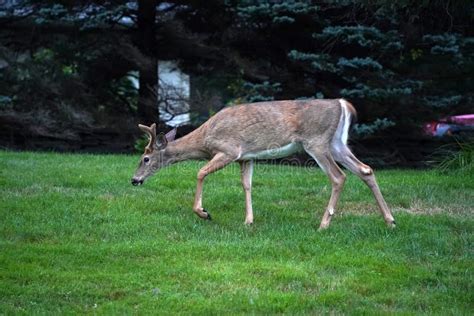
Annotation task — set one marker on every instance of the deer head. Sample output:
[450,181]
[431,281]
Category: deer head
[154,157]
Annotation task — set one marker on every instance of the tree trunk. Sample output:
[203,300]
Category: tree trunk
[148,78]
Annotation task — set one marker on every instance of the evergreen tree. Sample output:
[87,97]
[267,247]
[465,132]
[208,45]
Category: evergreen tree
[395,61]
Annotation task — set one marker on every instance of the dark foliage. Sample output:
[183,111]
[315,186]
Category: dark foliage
[64,65]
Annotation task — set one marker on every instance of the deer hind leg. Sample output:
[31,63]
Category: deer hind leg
[219,161]
[246,168]
[336,176]
[344,156]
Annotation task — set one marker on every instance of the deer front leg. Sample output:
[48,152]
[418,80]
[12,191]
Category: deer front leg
[217,162]
[246,168]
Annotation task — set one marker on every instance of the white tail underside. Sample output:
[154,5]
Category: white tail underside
[339,142]
[342,131]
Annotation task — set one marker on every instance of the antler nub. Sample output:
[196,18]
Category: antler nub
[151,131]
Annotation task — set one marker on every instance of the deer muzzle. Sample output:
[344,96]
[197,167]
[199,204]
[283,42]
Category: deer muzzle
[137,181]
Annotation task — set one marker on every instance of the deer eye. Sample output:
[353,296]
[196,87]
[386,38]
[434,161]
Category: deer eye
[146,159]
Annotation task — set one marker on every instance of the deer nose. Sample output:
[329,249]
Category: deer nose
[136,181]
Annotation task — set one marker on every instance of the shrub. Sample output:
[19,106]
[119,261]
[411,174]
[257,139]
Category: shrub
[459,158]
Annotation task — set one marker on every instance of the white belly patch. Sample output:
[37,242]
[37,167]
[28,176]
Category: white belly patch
[273,152]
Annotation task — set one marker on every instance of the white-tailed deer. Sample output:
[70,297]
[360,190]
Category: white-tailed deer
[265,130]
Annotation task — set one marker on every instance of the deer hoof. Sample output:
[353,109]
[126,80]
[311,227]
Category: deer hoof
[324,223]
[209,218]
[322,228]
[392,224]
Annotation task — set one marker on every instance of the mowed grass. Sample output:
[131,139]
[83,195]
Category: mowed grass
[75,236]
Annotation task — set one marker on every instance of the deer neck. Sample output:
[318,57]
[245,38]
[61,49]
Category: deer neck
[189,147]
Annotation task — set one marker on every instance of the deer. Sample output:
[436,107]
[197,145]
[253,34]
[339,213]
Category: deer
[265,130]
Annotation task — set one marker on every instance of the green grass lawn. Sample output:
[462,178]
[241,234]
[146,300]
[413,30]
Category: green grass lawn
[75,236]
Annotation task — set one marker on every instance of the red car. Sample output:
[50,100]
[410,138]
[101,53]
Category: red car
[450,125]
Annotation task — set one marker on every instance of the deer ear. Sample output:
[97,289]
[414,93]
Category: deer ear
[161,141]
[171,135]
